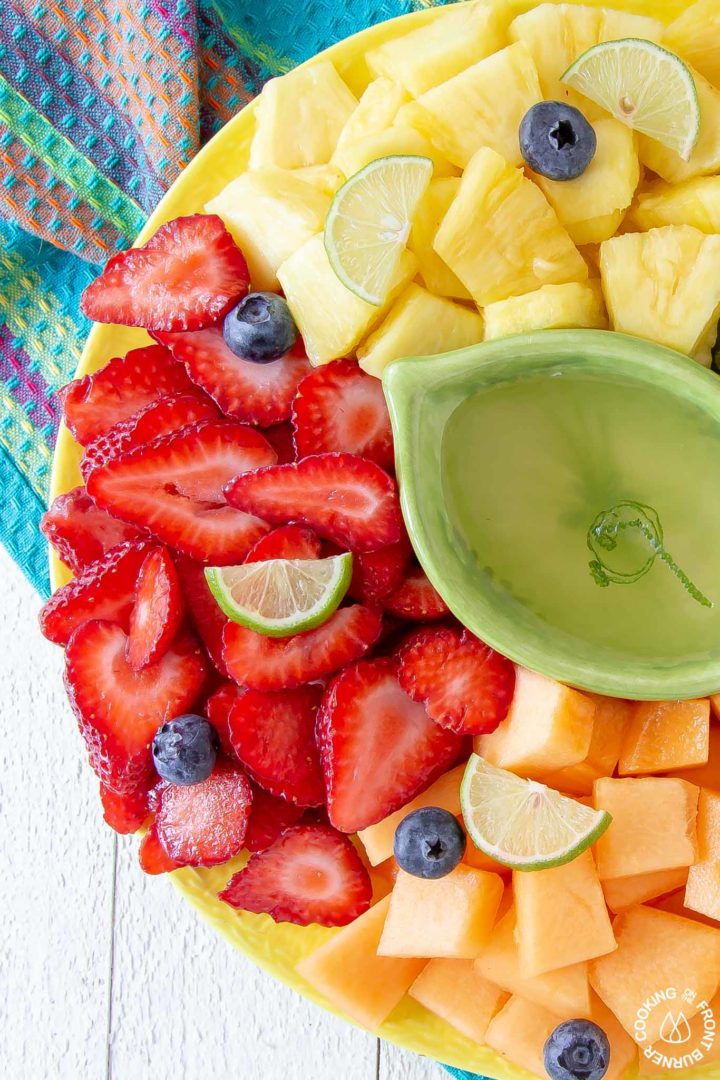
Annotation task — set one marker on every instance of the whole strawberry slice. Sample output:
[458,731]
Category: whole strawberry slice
[340,408]
[269,818]
[205,824]
[119,710]
[95,403]
[202,607]
[464,684]
[265,663]
[379,748]
[174,487]
[311,874]
[103,590]
[158,418]
[218,708]
[188,275]
[153,857]
[287,542]
[344,498]
[156,616]
[376,574]
[273,735]
[80,531]
[416,599]
[125,813]
[253,393]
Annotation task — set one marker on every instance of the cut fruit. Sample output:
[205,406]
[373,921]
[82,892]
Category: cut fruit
[400,140]
[666,735]
[702,893]
[562,918]
[708,826]
[450,917]
[368,224]
[705,158]
[375,111]
[705,776]
[437,277]
[696,203]
[644,86]
[574,305]
[674,904]
[695,35]
[348,972]
[456,992]
[519,1033]
[611,719]
[623,893]
[281,597]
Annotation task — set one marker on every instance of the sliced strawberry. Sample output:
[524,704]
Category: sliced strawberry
[273,735]
[156,616]
[464,684]
[174,487]
[95,403]
[265,663]
[125,813]
[287,542]
[416,599]
[269,818]
[153,857]
[103,590]
[119,710]
[345,498]
[158,418]
[205,824]
[312,874]
[188,275]
[379,748]
[376,574]
[280,437]
[338,408]
[80,531]
[218,708]
[254,393]
[202,607]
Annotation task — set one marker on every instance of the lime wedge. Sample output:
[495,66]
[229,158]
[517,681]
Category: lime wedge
[281,597]
[644,86]
[369,221]
[523,824]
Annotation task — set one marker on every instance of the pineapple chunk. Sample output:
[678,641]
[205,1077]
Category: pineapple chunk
[433,53]
[352,158]
[704,351]
[376,111]
[695,35]
[461,115]
[705,158]
[419,324]
[557,34]
[324,178]
[663,285]
[432,208]
[588,206]
[270,214]
[299,117]
[501,237]
[331,319]
[695,202]
[554,307]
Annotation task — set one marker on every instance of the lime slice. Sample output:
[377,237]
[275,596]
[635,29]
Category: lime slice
[523,824]
[281,597]
[369,221]
[644,86]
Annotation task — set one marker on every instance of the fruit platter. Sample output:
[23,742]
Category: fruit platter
[346,771]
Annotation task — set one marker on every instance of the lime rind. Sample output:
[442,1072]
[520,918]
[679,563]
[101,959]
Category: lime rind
[524,824]
[368,223]
[661,88]
[281,597]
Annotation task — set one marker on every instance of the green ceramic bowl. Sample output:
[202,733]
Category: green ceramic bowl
[423,394]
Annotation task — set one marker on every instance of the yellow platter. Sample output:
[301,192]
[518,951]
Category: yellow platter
[278,948]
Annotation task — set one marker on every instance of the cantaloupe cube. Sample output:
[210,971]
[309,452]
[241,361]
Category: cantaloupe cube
[565,992]
[561,916]
[432,208]
[299,117]
[611,718]
[378,839]
[665,735]
[623,1049]
[674,903]
[480,861]
[454,991]
[548,727]
[419,324]
[349,973]
[554,307]
[702,892]
[450,917]
[270,214]
[382,877]
[375,111]
[331,319]
[353,157]
[705,776]
[708,825]
[519,1033]
[705,158]
[653,826]
[656,951]
[622,893]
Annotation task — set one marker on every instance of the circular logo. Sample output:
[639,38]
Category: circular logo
[675,1029]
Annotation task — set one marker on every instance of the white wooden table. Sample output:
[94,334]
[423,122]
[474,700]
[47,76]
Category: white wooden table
[106,973]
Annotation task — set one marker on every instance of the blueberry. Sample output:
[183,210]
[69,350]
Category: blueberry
[260,328]
[429,843]
[577,1050]
[184,750]
[556,140]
